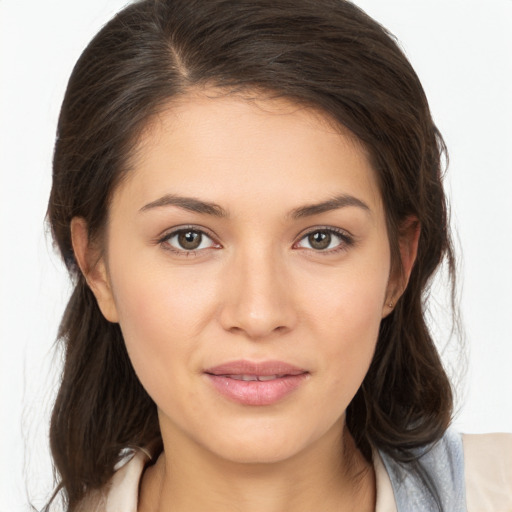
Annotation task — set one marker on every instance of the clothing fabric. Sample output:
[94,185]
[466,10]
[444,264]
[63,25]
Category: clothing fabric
[460,473]
[437,481]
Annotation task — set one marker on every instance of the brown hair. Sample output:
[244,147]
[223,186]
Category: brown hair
[327,54]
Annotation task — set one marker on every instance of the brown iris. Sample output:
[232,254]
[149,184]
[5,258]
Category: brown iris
[189,240]
[319,240]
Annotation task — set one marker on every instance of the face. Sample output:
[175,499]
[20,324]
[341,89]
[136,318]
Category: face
[247,262]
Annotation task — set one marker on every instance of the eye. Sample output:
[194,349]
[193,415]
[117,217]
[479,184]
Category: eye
[325,240]
[188,240]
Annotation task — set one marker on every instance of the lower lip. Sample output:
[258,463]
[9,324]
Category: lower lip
[255,392]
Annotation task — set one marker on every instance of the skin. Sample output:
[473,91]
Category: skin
[256,289]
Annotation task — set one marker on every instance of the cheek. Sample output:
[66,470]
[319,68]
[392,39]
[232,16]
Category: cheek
[347,316]
[160,314]
[349,300]
[151,295]
[354,339]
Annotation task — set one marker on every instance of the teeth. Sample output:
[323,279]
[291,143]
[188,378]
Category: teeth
[267,377]
[243,377]
[249,378]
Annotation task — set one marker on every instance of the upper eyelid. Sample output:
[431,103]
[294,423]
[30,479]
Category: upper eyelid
[168,233]
[331,229]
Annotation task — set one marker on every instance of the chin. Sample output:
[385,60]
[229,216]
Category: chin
[261,446]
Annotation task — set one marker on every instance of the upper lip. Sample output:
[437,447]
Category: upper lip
[261,368]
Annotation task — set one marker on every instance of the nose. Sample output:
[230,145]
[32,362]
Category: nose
[257,299]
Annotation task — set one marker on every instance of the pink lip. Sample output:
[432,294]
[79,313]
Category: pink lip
[226,378]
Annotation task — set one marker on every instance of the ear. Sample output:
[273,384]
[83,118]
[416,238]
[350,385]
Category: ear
[408,238]
[93,267]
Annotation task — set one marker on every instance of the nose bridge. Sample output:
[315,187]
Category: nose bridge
[257,301]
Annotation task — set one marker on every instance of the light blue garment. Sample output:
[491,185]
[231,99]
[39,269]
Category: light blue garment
[438,485]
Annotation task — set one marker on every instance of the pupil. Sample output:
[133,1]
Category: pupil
[189,240]
[320,240]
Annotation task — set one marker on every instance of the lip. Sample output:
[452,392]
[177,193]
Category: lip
[280,379]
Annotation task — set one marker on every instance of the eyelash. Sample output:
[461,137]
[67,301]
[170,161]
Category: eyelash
[346,240]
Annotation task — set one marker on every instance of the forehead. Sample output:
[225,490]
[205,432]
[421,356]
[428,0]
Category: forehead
[241,147]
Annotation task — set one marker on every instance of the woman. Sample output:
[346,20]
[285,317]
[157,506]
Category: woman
[249,197]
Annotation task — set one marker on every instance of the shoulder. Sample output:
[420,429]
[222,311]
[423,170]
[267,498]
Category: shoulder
[121,492]
[488,471]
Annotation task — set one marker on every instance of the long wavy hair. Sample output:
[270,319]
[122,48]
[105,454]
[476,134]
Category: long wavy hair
[326,54]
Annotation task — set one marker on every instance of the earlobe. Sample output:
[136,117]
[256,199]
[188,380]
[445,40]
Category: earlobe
[409,236]
[93,268]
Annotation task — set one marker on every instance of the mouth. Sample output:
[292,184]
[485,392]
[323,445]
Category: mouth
[256,384]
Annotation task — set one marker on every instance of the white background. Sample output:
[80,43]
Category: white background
[462,51]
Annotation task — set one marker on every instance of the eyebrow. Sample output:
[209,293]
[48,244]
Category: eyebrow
[187,203]
[334,203]
[208,208]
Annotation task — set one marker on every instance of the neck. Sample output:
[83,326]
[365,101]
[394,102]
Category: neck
[331,475]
